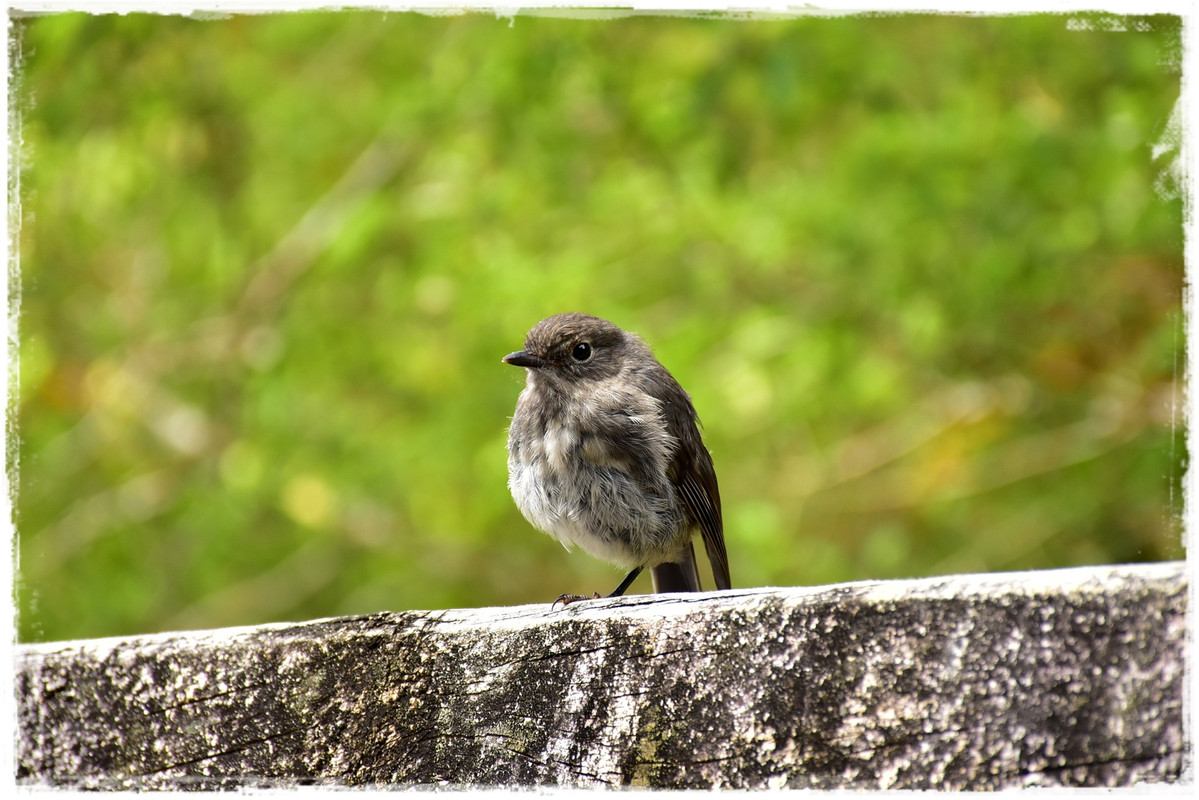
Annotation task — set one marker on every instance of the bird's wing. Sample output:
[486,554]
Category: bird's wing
[693,474]
[696,479]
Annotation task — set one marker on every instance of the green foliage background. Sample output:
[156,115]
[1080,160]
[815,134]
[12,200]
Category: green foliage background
[922,276]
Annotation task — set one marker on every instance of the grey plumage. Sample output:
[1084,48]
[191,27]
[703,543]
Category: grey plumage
[604,452]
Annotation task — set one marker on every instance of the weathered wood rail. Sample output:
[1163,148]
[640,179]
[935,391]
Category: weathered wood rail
[1065,677]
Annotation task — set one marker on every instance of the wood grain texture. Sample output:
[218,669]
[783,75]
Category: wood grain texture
[1064,677]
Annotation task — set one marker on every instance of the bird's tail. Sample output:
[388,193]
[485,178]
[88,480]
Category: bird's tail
[682,576]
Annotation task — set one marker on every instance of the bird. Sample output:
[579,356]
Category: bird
[605,453]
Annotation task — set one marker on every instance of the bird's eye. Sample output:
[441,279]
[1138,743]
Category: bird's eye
[582,352]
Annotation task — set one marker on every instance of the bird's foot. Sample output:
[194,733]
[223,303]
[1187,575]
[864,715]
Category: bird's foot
[567,599]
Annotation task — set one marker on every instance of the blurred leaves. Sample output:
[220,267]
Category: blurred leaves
[922,276]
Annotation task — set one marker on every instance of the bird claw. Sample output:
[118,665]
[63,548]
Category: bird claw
[567,599]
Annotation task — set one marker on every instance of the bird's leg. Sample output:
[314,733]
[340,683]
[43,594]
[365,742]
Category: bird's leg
[567,599]
[628,581]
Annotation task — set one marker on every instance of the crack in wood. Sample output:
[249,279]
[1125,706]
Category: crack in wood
[238,748]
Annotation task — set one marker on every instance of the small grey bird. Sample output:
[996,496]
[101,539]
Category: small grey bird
[604,452]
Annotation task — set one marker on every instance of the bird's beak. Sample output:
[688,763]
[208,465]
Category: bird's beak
[523,358]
